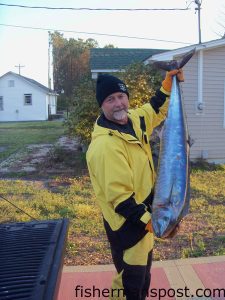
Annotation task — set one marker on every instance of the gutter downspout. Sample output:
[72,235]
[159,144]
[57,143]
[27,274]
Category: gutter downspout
[200,105]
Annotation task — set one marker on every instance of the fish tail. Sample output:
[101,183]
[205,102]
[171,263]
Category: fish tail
[174,64]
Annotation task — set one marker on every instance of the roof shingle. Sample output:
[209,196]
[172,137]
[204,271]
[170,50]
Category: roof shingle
[118,58]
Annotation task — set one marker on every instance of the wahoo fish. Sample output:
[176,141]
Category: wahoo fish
[172,188]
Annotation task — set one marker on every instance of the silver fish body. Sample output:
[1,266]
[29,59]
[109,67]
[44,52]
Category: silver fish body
[172,189]
[171,196]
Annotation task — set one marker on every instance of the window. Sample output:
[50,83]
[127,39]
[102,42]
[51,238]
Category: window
[1,103]
[27,99]
[11,83]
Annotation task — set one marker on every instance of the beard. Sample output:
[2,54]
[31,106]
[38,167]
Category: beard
[120,115]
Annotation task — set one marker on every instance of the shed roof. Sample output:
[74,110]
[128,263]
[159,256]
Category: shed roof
[32,81]
[118,58]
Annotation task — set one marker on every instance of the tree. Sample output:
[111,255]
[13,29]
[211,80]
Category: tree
[142,82]
[84,110]
[109,46]
[70,61]
[221,23]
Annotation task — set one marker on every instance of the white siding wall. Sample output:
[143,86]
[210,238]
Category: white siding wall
[206,128]
[13,97]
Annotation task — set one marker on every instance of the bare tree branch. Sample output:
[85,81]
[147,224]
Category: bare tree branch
[221,23]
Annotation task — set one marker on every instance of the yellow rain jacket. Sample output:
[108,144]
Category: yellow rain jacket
[122,172]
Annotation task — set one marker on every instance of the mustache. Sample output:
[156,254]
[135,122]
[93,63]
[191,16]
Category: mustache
[122,109]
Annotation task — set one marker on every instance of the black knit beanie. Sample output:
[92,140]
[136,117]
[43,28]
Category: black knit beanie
[107,85]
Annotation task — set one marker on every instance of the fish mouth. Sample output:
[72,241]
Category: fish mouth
[162,222]
[159,228]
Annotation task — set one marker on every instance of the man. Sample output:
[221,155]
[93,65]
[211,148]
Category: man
[122,173]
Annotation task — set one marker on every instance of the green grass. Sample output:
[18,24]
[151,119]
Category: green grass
[73,199]
[202,232]
[15,136]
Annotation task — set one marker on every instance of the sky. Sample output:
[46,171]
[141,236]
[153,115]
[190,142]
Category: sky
[162,29]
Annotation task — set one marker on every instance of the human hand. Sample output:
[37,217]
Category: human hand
[167,82]
[149,227]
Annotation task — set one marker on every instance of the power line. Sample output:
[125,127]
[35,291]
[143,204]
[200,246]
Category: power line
[95,33]
[96,9]
[18,208]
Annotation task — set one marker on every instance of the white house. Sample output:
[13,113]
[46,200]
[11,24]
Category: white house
[204,97]
[24,99]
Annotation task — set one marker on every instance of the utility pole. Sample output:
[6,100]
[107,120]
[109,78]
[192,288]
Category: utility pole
[50,63]
[49,60]
[199,3]
[19,66]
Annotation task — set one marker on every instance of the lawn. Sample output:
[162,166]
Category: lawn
[16,136]
[202,232]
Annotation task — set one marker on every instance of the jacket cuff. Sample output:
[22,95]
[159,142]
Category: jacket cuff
[164,91]
[146,217]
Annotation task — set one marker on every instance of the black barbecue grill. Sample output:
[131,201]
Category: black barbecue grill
[31,259]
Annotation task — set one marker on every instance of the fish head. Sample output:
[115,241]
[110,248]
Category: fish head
[163,220]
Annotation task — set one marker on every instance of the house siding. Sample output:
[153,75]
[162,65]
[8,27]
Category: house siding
[13,97]
[206,128]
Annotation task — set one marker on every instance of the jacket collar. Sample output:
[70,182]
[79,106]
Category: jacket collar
[105,127]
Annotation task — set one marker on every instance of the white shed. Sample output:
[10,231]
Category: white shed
[24,99]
